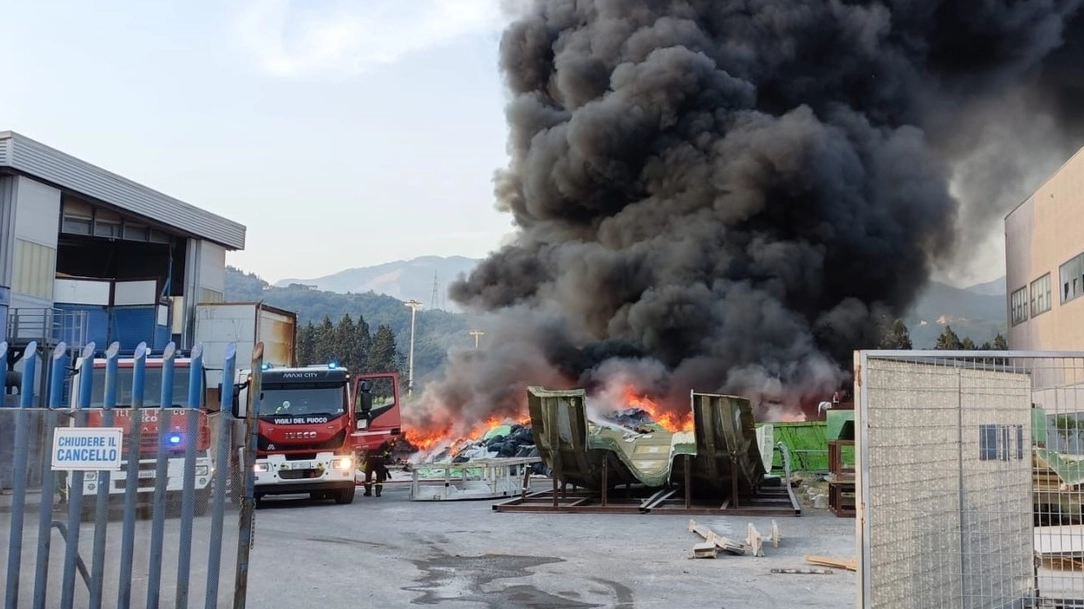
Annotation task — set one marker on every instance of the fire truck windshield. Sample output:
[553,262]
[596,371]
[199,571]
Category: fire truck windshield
[303,399]
[152,388]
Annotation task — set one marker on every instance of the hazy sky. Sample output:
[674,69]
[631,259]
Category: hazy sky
[340,133]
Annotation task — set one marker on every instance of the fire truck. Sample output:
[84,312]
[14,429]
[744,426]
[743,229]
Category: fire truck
[313,424]
[304,431]
[150,420]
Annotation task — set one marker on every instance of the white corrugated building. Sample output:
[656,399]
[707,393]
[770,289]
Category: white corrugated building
[87,255]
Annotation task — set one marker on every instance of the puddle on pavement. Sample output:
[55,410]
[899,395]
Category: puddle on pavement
[491,580]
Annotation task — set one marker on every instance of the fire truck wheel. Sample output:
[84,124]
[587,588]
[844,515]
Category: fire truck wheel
[203,499]
[88,510]
[345,496]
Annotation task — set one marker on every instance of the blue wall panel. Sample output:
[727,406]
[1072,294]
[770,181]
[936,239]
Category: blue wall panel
[161,337]
[133,325]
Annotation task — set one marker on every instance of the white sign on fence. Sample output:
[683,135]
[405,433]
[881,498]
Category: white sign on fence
[87,448]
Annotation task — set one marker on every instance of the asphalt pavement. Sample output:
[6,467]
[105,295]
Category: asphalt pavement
[391,552]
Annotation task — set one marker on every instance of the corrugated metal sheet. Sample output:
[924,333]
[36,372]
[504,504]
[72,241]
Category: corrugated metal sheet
[30,157]
[7,225]
[35,267]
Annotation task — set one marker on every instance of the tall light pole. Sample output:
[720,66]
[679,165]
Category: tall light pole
[414,306]
[477,334]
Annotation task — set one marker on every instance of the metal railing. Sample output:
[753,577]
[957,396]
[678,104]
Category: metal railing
[478,479]
[48,326]
[170,499]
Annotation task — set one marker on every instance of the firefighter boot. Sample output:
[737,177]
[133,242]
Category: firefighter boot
[379,487]
[369,491]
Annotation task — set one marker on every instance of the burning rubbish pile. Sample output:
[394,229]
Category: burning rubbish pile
[509,438]
[506,439]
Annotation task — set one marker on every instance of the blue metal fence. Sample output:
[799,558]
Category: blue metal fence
[173,485]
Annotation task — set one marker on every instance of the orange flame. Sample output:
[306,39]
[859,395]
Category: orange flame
[427,439]
[667,420]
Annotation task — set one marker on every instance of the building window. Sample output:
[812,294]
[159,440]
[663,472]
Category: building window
[1070,275]
[107,224]
[1001,442]
[77,217]
[82,218]
[1018,303]
[1040,295]
[135,232]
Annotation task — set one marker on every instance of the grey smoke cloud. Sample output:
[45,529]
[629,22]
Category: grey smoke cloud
[723,195]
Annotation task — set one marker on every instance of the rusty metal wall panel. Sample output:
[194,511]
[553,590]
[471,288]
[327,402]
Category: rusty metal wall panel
[278,332]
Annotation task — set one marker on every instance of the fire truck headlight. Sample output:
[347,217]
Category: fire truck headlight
[203,470]
[90,476]
[343,463]
[261,467]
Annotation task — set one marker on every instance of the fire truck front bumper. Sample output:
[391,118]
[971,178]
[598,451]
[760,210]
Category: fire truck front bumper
[276,474]
[146,477]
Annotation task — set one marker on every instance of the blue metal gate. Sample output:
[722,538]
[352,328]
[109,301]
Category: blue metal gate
[121,481]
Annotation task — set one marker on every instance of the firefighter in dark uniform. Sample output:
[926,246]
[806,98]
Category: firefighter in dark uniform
[375,464]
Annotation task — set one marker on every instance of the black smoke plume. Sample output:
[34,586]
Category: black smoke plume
[727,195]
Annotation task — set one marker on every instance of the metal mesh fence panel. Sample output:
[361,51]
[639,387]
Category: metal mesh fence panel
[1058,477]
[966,487]
[172,543]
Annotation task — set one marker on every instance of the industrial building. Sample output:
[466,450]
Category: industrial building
[87,255]
[1044,264]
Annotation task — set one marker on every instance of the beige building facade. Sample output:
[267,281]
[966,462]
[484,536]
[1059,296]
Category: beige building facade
[1044,264]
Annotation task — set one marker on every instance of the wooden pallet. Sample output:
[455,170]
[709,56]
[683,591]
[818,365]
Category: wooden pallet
[841,499]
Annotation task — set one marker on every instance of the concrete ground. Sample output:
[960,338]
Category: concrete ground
[391,552]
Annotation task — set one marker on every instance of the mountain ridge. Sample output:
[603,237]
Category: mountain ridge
[977,311]
[402,279]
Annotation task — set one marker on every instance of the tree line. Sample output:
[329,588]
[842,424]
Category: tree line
[350,344]
[436,333]
[894,335]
